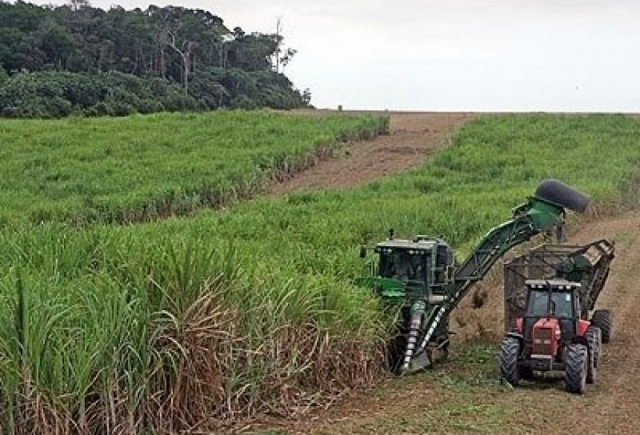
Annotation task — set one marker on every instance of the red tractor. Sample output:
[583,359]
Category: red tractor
[551,331]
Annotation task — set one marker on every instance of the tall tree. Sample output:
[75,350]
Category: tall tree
[76,5]
[186,51]
[191,48]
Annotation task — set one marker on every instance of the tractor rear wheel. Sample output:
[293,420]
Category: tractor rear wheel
[594,338]
[603,319]
[576,367]
[509,353]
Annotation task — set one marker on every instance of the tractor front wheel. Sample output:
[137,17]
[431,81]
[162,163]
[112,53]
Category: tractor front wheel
[509,353]
[576,367]
[603,319]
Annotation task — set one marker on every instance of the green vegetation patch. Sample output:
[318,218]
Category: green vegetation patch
[145,167]
[451,196]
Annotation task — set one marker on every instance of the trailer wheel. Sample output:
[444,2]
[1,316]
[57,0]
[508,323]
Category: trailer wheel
[509,353]
[576,367]
[603,319]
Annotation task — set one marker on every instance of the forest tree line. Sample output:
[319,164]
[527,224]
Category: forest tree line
[77,59]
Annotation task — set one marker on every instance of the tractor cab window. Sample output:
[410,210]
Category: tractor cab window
[562,304]
[403,266]
[538,303]
[542,303]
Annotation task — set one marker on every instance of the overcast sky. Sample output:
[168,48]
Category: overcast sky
[497,55]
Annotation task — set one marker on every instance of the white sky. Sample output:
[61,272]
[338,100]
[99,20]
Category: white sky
[491,55]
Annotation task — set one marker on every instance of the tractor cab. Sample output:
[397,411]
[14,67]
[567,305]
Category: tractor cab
[552,298]
[552,316]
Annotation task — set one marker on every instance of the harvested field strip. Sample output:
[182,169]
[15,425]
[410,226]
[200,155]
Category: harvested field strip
[249,309]
[145,167]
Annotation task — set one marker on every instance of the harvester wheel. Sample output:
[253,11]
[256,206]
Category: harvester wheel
[603,319]
[576,367]
[509,353]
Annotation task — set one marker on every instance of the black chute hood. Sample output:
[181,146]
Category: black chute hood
[557,192]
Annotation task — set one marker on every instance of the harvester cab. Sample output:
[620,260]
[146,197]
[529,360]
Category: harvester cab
[423,263]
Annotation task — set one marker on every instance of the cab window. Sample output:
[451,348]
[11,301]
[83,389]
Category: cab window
[402,266]
[560,304]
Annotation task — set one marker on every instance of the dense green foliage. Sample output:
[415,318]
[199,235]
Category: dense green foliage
[145,167]
[170,325]
[58,94]
[55,61]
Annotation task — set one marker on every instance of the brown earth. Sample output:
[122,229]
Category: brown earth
[413,136]
[463,395]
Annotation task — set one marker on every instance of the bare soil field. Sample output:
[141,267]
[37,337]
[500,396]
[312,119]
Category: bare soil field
[464,395]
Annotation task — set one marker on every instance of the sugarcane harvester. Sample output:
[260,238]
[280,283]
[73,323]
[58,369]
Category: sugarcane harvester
[419,277]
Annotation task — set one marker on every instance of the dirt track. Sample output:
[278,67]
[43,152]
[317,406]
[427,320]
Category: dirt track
[413,136]
[462,397]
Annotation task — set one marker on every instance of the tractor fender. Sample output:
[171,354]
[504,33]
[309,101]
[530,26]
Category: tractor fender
[515,335]
[583,325]
[580,339]
[519,322]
